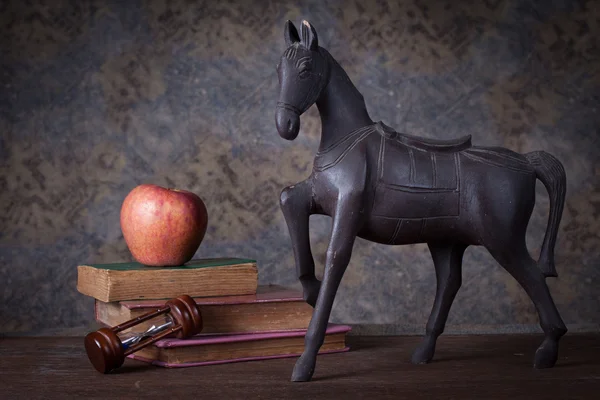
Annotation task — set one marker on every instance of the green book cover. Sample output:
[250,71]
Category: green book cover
[192,264]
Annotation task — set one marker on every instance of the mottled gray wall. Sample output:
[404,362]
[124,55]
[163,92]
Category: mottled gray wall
[98,97]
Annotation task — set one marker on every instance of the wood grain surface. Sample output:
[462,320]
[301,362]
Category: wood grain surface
[466,367]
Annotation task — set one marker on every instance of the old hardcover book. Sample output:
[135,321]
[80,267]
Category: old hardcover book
[197,278]
[272,308]
[220,349]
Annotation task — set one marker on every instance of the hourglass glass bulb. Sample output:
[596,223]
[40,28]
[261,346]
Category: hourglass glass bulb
[151,331]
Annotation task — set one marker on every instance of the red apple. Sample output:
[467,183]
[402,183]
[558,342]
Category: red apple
[163,227]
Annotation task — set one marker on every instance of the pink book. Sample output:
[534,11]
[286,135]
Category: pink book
[220,349]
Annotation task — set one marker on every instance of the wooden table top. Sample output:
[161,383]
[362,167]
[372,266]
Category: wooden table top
[465,367]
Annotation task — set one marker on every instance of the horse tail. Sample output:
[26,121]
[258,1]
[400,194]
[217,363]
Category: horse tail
[551,173]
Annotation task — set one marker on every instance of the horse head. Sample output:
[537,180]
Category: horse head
[303,73]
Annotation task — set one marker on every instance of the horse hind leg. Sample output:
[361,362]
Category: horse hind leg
[447,259]
[517,261]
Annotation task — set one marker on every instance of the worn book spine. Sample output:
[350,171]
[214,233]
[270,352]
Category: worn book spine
[271,308]
[198,278]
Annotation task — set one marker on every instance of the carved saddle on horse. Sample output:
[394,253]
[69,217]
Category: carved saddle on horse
[421,174]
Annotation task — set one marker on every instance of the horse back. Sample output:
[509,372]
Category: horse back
[414,183]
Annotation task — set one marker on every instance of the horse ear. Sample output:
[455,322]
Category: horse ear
[309,36]
[290,33]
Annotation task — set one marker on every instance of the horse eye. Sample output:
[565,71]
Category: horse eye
[304,73]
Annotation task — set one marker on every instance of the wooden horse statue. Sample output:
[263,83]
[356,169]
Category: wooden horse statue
[393,188]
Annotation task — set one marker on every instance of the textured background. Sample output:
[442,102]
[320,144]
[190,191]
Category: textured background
[98,97]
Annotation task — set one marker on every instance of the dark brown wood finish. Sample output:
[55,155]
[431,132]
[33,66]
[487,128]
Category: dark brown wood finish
[391,188]
[466,367]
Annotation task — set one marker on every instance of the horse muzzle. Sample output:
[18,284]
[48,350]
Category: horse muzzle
[288,123]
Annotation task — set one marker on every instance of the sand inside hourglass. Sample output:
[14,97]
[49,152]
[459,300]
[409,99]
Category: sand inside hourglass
[133,336]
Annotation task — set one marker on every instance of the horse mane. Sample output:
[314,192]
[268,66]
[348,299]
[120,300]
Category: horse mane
[341,71]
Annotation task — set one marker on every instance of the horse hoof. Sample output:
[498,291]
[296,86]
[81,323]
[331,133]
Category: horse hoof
[311,290]
[424,353]
[546,355]
[303,370]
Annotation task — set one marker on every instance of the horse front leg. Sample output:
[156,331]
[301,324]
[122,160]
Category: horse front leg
[297,205]
[346,224]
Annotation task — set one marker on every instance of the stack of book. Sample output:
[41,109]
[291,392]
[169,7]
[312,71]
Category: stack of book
[242,321]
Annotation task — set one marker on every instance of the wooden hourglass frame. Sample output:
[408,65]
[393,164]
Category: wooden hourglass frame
[107,351]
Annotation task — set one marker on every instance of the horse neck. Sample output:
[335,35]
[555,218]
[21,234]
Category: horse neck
[341,106]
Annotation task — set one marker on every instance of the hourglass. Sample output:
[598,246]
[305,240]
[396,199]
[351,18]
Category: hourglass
[107,347]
